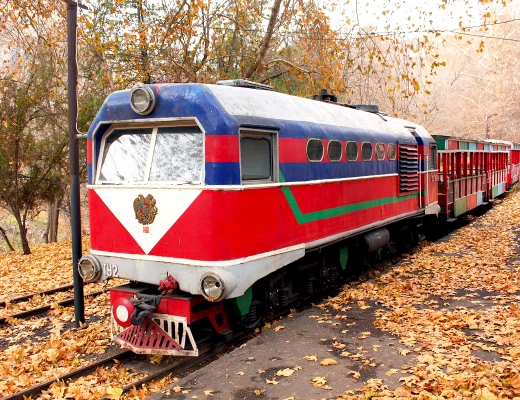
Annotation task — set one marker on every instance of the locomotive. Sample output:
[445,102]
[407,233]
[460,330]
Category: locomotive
[222,202]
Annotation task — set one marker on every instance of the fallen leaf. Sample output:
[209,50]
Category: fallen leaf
[355,374]
[328,361]
[285,372]
[515,382]
[320,382]
[114,393]
[391,372]
[403,352]
[156,359]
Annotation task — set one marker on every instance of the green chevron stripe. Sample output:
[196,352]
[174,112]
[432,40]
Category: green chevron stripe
[337,211]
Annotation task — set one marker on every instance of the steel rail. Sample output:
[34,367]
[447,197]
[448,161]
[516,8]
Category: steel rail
[29,296]
[37,389]
[188,362]
[41,310]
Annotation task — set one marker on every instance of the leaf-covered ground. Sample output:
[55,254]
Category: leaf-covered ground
[454,307]
[36,350]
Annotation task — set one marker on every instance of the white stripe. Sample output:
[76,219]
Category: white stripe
[199,263]
[242,187]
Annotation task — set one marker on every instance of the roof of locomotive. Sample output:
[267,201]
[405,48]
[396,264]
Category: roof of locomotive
[419,129]
[217,106]
[279,106]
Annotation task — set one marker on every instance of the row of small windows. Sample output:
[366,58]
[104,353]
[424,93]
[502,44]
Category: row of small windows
[315,151]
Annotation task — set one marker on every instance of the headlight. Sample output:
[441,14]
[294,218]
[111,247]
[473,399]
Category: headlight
[142,99]
[89,268]
[213,287]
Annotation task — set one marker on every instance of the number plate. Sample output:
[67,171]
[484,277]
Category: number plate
[110,270]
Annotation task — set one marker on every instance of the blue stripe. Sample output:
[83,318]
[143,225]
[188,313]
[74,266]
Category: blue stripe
[177,100]
[222,173]
[306,130]
[298,172]
[90,175]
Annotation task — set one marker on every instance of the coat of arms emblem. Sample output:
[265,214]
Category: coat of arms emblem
[145,209]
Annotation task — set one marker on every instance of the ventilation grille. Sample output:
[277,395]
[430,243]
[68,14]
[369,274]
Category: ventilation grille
[408,169]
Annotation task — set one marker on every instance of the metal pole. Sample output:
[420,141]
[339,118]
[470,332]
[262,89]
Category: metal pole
[75,212]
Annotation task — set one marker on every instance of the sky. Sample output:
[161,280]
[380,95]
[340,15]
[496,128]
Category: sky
[409,15]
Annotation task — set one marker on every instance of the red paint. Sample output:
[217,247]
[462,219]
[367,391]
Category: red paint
[179,305]
[430,181]
[325,150]
[222,148]
[264,222]
[453,144]
[225,225]
[149,336]
[122,301]
[293,150]
[106,232]
[323,196]
[471,202]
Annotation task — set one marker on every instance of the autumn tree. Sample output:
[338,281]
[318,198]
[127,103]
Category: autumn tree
[476,93]
[204,41]
[32,144]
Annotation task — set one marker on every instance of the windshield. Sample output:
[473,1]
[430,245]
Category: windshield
[177,155]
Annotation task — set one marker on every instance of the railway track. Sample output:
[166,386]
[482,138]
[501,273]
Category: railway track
[29,296]
[37,389]
[179,364]
[43,309]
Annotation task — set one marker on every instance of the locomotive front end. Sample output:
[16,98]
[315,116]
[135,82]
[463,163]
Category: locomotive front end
[146,171]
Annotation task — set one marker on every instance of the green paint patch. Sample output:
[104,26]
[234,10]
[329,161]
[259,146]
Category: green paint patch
[460,206]
[240,305]
[343,258]
[337,211]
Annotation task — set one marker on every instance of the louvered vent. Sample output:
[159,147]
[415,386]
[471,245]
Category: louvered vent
[408,168]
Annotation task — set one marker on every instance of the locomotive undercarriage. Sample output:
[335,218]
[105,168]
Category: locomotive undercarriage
[326,268]
[174,324]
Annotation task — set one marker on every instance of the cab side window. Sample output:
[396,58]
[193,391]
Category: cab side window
[257,157]
[433,157]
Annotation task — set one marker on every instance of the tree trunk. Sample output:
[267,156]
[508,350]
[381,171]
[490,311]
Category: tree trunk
[25,242]
[267,39]
[23,235]
[4,235]
[143,43]
[53,214]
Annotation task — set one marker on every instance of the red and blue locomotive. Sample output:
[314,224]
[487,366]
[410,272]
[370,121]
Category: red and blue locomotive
[221,202]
